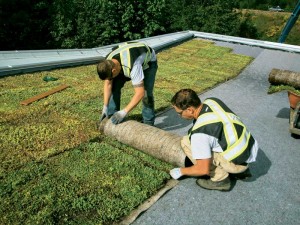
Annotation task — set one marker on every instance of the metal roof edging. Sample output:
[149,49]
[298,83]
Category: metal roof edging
[32,61]
[17,62]
[247,41]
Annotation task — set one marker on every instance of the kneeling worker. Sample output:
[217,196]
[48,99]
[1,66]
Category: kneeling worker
[218,144]
[129,61]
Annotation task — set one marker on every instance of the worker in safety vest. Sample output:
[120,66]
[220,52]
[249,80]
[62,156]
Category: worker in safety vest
[218,145]
[129,61]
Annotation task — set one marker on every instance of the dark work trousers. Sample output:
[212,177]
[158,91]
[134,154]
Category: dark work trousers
[148,112]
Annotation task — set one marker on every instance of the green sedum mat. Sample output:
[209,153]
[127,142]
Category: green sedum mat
[55,166]
[97,182]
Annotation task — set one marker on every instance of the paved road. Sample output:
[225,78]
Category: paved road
[272,195]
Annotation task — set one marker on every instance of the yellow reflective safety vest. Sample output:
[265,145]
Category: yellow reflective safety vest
[127,53]
[217,120]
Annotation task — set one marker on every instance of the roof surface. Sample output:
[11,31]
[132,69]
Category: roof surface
[272,195]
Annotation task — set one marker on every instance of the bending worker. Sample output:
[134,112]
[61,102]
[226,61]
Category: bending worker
[129,61]
[218,144]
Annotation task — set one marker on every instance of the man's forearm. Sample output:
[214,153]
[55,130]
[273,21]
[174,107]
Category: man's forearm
[134,102]
[193,171]
[139,93]
[201,168]
[107,91]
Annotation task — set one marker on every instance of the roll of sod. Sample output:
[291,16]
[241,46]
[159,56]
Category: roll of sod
[148,139]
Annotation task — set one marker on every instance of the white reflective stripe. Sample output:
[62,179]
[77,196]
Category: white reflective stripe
[238,148]
[234,117]
[229,130]
[124,46]
[205,119]
[110,56]
[125,56]
[126,63]
[147,58]
[237,145]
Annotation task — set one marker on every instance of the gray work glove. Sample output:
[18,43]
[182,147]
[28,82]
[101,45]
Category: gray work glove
[118,117]
[175,173]
[104,113]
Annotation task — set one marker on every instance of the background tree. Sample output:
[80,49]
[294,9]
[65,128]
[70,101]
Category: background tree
[222,18]
[92,23]
[83,24]
[142,18]
[44,24]
[246,28]
[205,15]
[24,24]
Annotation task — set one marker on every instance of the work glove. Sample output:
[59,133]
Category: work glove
[104,113]
[175,173]
[118,117]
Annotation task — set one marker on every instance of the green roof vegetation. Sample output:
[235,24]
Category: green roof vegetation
[277,88]
[56,168]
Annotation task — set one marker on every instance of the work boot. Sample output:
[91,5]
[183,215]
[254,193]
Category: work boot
[241,176]
[223,185]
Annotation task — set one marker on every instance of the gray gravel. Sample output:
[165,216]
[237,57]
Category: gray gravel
[272,195]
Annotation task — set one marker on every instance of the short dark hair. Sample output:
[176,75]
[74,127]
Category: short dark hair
[104,68]
[185,98]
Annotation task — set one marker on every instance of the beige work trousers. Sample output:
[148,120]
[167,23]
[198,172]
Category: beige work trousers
[219,168]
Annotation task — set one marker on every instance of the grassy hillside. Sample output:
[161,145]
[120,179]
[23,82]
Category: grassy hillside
[270,25]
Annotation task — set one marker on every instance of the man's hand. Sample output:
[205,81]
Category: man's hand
[118,117]
[175,173]
[104,113]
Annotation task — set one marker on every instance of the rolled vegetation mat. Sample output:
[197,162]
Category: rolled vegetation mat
[285,77]
[148,139]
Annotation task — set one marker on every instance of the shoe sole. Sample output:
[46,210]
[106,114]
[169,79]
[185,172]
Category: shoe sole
[214,188]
